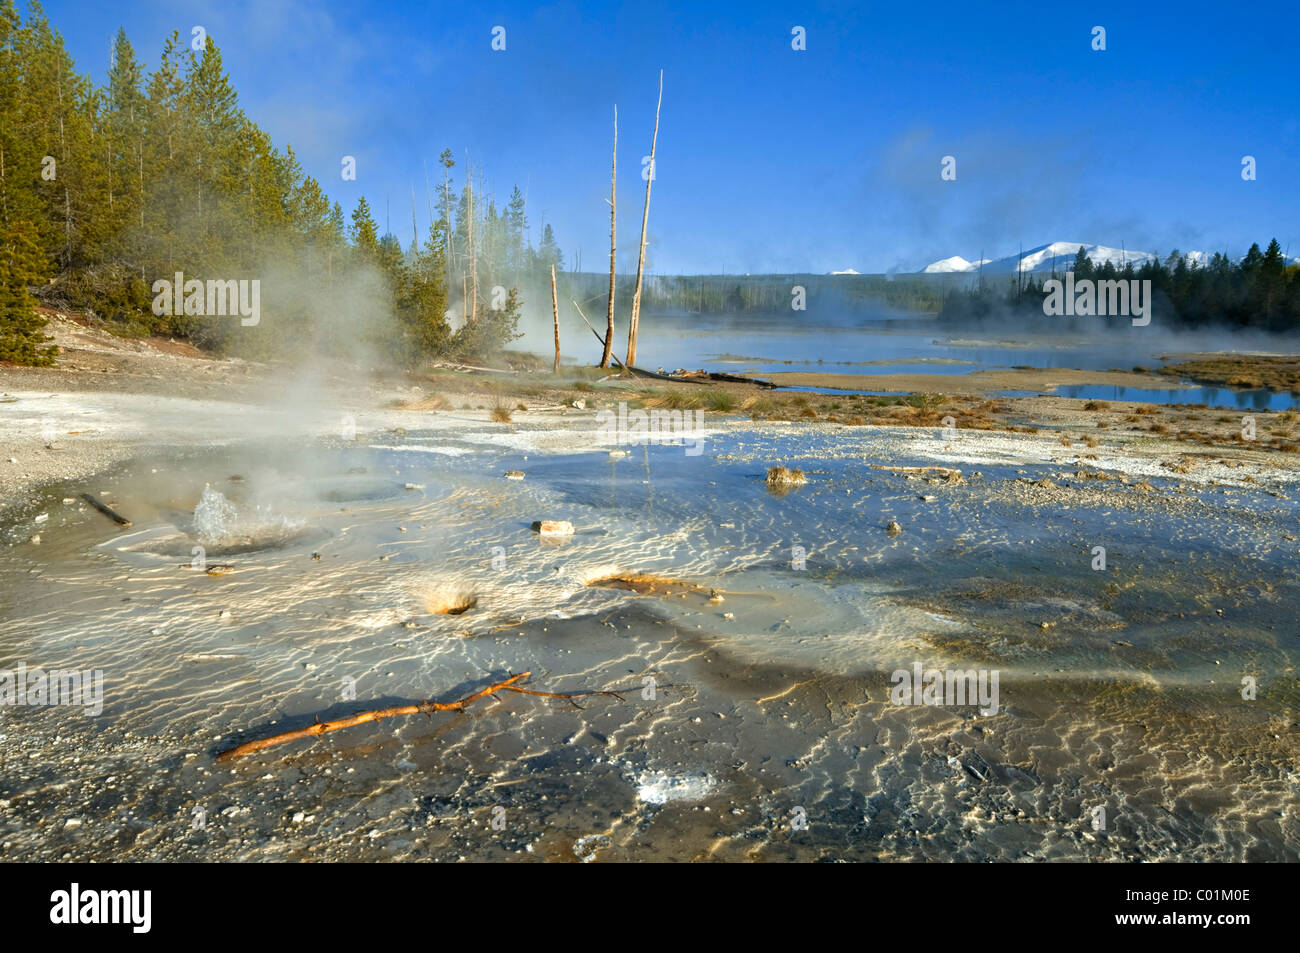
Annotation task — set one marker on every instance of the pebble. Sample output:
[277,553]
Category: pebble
[554,527]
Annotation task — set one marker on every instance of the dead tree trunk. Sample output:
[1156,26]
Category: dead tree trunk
[473,252]
[555,310]
[645,218]
[613,222]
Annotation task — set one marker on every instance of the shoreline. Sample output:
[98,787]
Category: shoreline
[109,400]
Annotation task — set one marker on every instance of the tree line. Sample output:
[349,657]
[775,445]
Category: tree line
[1260,291]
[105,190]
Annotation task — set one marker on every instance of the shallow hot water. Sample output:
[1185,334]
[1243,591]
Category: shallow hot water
[261,588]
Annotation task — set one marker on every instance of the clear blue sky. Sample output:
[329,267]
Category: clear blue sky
[772,159]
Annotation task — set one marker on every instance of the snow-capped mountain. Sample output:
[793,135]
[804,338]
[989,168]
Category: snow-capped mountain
[954,264]
[1058,256]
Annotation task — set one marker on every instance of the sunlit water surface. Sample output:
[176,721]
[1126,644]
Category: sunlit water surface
[1119,689]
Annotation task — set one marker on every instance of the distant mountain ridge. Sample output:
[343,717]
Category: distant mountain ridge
[1057,256]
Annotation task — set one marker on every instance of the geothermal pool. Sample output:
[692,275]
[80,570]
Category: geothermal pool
[760,725]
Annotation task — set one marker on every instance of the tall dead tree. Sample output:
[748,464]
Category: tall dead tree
[613,222]
[645,218]
[415,229]
[473,252]
[555,310]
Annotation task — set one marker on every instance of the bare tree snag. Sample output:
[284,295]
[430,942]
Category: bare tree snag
[555,310]
[645,219]
[613,221]
[473,252]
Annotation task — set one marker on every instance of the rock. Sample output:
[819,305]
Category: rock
[785,477]
[514,474]
[414,486]
[553,527]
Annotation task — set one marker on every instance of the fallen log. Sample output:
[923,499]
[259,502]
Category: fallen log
[946,471]
[737,379]
[420,708]
[642,372]
[720,376]
[471,368]
[107,510]
[593,331]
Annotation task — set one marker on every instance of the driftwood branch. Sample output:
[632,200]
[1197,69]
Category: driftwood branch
[467,368]
[107,510]
[598,337]
[946,471]
[511,684]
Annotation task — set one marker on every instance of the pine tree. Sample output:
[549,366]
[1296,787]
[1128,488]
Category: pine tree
[21,264]
[1082,265]
[364,234]
[548,254]
[19,161]
[122,131]
[517,222]
[57,112]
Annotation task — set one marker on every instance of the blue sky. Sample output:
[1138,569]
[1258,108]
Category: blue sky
[771,159]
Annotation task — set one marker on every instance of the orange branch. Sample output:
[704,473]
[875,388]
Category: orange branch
[421,708]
